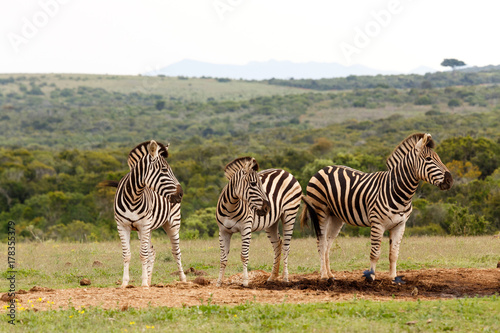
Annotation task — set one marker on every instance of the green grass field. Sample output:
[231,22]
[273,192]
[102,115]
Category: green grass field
[62,265]
[460,315]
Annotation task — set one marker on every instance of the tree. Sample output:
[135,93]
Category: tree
[160,105]
[452,63]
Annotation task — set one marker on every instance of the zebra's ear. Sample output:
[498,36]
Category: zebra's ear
[153,149]
[251,165]
[254,164]
[419,147]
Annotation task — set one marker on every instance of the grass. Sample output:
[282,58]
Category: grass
[459,315]
[45,264]
[63,265]
[192,89]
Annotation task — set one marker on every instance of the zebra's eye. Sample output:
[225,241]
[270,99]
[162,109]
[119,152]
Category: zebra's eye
[253,183]
[428,158]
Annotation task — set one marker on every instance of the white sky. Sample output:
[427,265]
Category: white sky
[132,37]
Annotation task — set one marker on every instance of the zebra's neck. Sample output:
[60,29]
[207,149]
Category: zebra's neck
[230,200]
[404,182]
[134,187]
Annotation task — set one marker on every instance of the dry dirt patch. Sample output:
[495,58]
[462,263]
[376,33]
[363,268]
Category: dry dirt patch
[302,288]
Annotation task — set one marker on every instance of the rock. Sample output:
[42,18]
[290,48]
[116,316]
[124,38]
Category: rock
[201,281]
[97,263]
[84,282]
[6,298]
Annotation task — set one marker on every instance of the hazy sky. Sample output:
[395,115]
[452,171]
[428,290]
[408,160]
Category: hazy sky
[132,37]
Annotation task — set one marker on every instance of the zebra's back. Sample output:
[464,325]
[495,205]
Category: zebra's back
[346,193]
[284,193]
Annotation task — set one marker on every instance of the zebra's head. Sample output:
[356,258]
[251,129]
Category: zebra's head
[247,185]
[428,165]
[158,175]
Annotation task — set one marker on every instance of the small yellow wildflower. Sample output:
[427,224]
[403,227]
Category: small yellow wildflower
[71,316]
[132,323]
[29,301]
[39,299]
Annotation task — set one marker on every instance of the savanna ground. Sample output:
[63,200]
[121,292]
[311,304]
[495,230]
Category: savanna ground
[451,284]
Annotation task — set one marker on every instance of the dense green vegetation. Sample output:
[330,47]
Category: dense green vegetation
[408,81]
[60,135]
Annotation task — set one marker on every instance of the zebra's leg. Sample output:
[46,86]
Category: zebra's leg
[273,235]
[224,242]
[332,231]
[246,237]
[396,234]
[124,233]
[324,225]
[173,234]
[145,239]
[151,262]
[288,224]
[376,233]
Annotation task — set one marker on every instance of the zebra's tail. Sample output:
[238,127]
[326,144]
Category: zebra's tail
[310,213]
[108,183]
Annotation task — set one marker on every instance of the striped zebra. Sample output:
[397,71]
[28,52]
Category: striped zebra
[380,200]
[254,201]
[147,198]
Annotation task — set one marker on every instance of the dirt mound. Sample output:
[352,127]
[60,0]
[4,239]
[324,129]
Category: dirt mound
[302,288]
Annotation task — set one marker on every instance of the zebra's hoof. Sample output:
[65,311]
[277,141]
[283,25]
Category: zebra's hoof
[399,280]
[369,275]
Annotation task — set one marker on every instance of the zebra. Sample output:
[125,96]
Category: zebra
[380,200]
[147,198]
[254,201]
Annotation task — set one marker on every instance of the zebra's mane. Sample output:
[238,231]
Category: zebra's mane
[404,147]
[141,150]
[231,168]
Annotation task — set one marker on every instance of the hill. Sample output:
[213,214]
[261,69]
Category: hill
[265,70]
[60,135]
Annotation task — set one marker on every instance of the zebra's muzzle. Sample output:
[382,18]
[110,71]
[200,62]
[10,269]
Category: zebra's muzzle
[447,182]
[177,197]
[266,207]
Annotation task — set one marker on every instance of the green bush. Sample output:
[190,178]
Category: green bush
[461,223]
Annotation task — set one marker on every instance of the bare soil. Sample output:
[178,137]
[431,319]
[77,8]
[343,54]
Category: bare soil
[302,288]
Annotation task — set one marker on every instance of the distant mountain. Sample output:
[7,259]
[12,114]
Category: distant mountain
[266,70]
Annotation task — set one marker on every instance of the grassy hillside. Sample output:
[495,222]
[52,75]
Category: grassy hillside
[62,134]
[85,111]
[190,90]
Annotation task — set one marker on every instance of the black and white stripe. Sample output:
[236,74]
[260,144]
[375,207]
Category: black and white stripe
[147,198]
[380,200]
[254,201]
